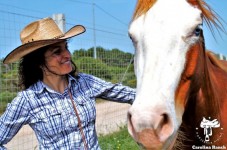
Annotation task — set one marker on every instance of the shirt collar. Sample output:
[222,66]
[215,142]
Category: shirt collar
[71,80]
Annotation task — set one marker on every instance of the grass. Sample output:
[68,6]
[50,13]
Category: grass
[120,140]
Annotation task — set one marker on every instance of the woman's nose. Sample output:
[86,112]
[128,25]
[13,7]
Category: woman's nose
[66,53]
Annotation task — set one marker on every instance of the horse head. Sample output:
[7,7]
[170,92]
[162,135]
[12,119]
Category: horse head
[165,33]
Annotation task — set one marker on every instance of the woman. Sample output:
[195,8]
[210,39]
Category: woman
[57,102]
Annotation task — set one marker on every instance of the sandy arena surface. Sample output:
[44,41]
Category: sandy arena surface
[110,116]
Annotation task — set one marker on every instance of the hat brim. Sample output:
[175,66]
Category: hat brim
[27,48]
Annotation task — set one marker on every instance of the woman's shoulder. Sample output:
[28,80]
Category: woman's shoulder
[25,94]
[92,80]
[83,77]
[29,93]
[89,80]
[20,100]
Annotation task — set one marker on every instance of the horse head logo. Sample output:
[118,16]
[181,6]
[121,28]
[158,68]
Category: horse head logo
[208,125]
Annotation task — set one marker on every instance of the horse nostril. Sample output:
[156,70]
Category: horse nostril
[130,125]
[131,128]
[165,119]
[165,127]
[129,115]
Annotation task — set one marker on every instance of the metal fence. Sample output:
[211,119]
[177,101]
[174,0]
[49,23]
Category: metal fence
[114,54]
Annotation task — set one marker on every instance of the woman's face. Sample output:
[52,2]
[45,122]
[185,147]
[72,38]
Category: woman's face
[58,59]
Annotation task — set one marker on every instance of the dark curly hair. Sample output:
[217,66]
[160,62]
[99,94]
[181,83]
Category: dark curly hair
[30,70]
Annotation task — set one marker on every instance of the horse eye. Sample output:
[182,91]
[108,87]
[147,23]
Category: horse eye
[198,30]
[130,36]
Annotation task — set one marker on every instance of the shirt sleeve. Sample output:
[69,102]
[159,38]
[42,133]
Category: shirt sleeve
[109,91]
[12,120]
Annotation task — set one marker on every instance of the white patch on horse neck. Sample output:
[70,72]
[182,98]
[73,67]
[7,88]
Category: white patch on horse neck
[159,37]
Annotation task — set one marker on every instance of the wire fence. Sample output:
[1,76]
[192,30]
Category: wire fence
[112,63]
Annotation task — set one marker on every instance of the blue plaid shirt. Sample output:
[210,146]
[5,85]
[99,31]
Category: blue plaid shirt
[51,115]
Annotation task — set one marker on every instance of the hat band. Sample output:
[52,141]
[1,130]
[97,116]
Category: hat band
[57,37]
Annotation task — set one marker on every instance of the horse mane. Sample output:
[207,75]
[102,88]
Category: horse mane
[215,61]
[142,7]
[212,19]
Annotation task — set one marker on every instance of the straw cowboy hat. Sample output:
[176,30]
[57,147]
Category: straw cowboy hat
[38,34]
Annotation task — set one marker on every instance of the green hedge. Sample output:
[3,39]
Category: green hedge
[5,98]
[93,66]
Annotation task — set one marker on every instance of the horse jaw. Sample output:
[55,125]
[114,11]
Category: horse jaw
[161,38]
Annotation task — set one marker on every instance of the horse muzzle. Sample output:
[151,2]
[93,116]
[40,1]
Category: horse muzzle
[152,130]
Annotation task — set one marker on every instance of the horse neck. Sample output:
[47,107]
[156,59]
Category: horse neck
[203,97]
[218,75]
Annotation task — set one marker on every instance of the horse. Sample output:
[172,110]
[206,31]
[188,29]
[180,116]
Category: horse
[179,81]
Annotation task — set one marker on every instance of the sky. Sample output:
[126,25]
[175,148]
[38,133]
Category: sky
[112,16]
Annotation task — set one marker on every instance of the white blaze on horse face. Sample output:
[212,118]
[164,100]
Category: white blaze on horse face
[162,38]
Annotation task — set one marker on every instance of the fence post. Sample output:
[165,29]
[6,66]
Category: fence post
[60,21]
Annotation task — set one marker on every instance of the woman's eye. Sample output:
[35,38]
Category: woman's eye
[198,30]
[57,52]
